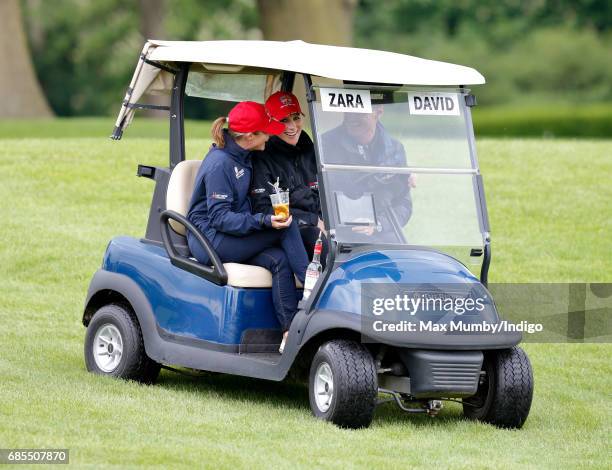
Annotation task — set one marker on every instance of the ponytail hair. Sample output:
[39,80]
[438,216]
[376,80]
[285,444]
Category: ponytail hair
[217,131]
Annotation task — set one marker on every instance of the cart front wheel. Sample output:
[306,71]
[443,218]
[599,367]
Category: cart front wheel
[343,384]
[505,391]
[114,346]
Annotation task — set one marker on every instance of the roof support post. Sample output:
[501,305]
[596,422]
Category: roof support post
[311,98]
[287,81]
[177,116]
[308,305]
[483,216]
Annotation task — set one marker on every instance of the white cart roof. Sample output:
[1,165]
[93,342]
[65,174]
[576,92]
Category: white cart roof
[340,63]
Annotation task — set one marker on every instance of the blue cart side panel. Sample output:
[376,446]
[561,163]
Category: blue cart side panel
[411,266]
[185,304]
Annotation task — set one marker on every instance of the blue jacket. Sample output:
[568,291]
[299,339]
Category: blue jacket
[220,203]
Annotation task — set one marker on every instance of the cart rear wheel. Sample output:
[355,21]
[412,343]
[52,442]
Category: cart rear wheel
[114,346]
[343,384]
[504,395]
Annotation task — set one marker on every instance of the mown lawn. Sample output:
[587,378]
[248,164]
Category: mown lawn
[63,198]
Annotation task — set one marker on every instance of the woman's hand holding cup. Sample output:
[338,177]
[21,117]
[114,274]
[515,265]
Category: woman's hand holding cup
[279,221]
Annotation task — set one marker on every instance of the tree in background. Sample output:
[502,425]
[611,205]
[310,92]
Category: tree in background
[152,15]
[543,50]
[85,51]
[317,21]
[20,92]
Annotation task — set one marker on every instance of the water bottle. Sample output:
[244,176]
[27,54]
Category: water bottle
[314,269]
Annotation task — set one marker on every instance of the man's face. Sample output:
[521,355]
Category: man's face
[362,126]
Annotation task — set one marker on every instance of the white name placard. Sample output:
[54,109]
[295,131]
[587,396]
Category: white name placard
[436,104]
[343,100]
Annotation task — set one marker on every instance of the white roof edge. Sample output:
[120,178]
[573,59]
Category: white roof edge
[341,63]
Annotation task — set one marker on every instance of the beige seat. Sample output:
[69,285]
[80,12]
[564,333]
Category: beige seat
[178,195]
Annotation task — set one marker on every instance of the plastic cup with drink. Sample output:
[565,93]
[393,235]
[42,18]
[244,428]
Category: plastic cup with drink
[280,201]
[280,204]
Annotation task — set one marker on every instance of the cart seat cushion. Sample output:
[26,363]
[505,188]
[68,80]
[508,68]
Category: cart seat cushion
[178,196]
[180,188]
[246,275]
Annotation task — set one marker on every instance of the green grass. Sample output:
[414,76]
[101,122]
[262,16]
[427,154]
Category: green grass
[100,127]
[64,198]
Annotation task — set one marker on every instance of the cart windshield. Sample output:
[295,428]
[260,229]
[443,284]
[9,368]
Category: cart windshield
[399,167]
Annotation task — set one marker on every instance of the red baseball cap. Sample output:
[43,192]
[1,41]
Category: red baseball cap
[281,104]
[248,116]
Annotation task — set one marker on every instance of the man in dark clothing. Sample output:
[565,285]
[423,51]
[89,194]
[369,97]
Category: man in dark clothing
[362,140]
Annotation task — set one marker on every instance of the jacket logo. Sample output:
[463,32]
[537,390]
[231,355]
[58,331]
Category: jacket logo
[239,172]
[314,185]
[258,191]
[219,196]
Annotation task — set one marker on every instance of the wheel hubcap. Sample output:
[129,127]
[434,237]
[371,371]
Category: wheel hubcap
[324,387]
[107,347]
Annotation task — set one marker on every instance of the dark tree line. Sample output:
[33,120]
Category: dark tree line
[84,51]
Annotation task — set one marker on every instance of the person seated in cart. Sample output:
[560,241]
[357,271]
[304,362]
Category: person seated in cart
[221,210]
[362,140]
[289,156]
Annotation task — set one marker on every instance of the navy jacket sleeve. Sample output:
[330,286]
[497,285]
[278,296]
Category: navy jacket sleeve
[394,188]
[402,204]
[304,195]
[260,196]
[219,197]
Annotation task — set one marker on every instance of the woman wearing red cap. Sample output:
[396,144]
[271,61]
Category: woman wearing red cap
[221,210]
[290,157]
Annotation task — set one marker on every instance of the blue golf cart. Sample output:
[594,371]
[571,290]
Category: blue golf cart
[406,219]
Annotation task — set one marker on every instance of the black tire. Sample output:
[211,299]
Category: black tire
[504,395]
[133,364]
[354,384]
